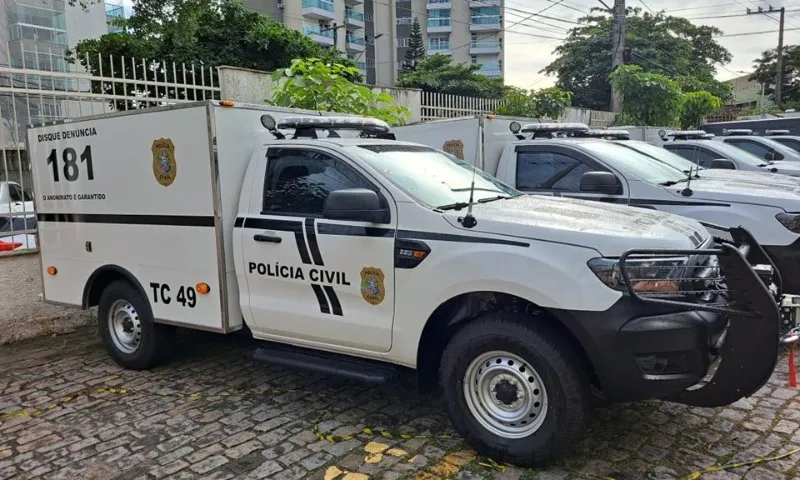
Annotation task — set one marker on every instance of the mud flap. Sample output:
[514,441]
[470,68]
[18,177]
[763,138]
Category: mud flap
[749,350]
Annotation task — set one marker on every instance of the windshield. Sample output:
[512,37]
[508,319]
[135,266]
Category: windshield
[662,155]
[630,161]
[792,143]
[737,154]
[431,177]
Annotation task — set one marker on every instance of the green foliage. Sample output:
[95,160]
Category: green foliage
[658,43]
[650,98]
[697,105]
[766,69]
[621,119]
[315,85]
[416,47]
[722,90]
[195,33]
[547,102]
[438,73]
[771,108]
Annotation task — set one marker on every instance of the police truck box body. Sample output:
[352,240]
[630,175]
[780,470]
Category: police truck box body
[368,253]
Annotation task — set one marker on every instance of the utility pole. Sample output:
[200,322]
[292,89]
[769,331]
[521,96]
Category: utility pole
[779,69]
[617,49]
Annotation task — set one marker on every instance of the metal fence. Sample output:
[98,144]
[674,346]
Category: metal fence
[32,93]
[436,106]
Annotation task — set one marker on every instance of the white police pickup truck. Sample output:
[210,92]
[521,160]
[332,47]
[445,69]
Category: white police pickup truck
[354,254]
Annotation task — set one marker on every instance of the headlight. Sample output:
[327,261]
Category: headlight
[789,220]
[654,275]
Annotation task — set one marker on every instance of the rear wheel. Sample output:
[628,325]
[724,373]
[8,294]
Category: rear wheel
[126,326]
[514,389]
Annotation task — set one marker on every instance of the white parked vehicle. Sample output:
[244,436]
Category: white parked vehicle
[357,255]
[16,215]
[785,137]
[696,147]
[606,171]
[766,148]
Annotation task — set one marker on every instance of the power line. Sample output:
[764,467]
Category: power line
[647,6]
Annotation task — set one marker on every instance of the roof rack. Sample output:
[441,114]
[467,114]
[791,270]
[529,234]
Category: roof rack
[736,131]
[685,134]
[548,130]
[776,132]
[605,134]
[307,126]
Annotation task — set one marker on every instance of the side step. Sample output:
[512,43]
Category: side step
[344,366]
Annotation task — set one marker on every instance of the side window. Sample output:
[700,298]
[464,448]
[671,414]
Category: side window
[14,192]
[757,149]
[298,181]
[549,170]
[26,195]
[687,153]
[704,157]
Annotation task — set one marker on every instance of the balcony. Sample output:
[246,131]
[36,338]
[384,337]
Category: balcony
[491,70]
[319,9]
[314,32]
[438,4]
[354,19]
[440,47]
[484,3]
[353,2]
[354,43]
[439,25]
[485,46]
[485,23]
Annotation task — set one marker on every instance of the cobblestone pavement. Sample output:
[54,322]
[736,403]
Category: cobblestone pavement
[268,432]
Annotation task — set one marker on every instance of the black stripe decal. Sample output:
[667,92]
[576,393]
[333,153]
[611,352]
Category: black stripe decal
[295,226]
[446,237]
[323,302]
[353,230]
[645,202]
[335,305]
[239,222]
[312,242]
[170,220]
[301,245]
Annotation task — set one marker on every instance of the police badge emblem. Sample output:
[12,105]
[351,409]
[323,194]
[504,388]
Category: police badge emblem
[372,288]
[455,148]
[164,166]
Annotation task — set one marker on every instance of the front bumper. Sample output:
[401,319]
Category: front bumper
[787,261]
[649,346]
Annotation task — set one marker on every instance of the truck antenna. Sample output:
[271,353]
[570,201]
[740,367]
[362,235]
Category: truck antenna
[687,192]
[468,221]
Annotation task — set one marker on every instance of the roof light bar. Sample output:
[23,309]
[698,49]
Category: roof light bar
[607,134]
[363,124]
[777,132]
[554,127]
[686,134]
[737,131]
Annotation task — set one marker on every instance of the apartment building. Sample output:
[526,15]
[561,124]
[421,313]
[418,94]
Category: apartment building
[376,33]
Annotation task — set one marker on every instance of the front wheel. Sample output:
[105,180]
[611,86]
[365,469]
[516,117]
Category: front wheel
[127,329]
[514,389]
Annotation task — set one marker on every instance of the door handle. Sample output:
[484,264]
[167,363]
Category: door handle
[266,238]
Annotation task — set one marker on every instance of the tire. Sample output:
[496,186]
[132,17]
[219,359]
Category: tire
[125,322]
[550,416]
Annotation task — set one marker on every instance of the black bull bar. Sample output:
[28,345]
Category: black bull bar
[746,353]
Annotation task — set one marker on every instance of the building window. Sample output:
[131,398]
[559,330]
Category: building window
[439,43]
[405,20]
[439,18]
[402,42]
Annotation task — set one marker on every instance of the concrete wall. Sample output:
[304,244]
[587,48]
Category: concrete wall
[22,314]
[254,86]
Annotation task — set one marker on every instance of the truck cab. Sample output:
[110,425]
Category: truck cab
[350,253]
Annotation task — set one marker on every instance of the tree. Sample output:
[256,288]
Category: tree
[416,47]
[547,102]
[697,105]
[437,73]
[315,85]
[658,43]
[766,69]
[648,98]
[191,33]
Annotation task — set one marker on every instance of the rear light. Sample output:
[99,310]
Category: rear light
[8,246]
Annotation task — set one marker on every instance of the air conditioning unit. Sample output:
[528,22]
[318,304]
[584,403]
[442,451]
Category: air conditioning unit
[280,5]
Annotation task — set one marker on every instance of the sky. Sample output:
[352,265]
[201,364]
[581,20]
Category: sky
[526,55]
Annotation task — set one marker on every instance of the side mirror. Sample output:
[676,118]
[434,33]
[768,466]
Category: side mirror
[723,163]
[355,204]
[600,182]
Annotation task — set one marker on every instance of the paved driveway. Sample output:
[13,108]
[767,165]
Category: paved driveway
[212,413]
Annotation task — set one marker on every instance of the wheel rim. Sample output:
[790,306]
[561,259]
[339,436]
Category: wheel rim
[124,326]
[505,394]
